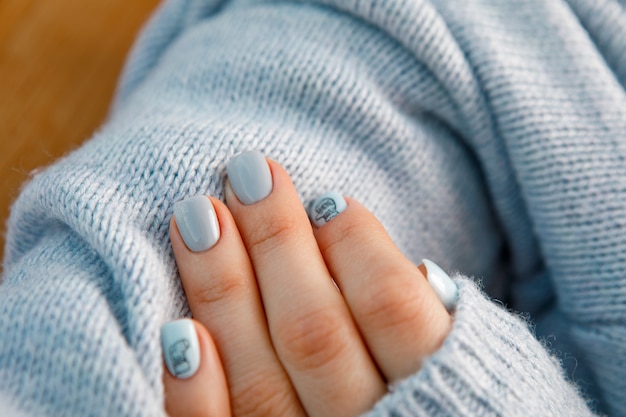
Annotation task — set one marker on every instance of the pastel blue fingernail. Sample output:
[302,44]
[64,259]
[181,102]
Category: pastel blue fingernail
[197,223]
[250,177]
[326,207]
[181,349]
[442,284]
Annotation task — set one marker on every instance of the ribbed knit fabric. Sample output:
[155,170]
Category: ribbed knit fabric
[487,135]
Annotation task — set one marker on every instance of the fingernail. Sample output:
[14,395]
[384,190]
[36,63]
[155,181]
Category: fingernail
[181,349]
[326,207]
[444,287]
[197,223]
[250,177]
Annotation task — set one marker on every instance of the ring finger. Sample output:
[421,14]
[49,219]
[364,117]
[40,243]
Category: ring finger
[400,316]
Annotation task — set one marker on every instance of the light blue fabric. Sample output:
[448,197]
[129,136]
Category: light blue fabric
[487,135]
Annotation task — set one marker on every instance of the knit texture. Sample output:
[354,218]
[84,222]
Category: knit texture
[488,366]
[487,135]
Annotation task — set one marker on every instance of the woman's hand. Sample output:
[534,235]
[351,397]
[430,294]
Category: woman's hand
[313,321]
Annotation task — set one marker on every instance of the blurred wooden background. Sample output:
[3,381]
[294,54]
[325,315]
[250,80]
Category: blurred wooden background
[59,62]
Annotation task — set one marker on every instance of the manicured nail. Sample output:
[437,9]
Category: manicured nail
[444,287]
[250,177]
[181,349]
[197,223]
[326,207]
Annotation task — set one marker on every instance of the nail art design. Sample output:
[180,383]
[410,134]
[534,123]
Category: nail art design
[442,284]
[178,357]
[326,207]
[197,223]
[250,177]
[181,350]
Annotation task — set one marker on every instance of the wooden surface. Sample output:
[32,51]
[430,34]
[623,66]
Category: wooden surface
[59,61]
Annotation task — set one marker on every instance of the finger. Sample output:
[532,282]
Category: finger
[194,380]
[399,315]
[310,325]
[221,289]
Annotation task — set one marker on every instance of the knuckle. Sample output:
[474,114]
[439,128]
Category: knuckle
[273,232]
[394,302]
[311,341]
[262,395]
[228,287]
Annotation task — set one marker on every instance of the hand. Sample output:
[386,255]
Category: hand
[313,321]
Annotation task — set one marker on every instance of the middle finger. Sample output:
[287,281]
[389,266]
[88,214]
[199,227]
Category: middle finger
[310,325]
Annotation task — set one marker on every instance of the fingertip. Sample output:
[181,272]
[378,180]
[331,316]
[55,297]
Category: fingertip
[353,227]
[249,177]
[383,290]
[441,283]
[326,207]
[198,225]
[194,381]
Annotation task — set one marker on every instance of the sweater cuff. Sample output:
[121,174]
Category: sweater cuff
[490,364]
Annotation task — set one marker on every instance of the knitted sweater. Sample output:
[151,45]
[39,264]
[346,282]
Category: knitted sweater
[487,135]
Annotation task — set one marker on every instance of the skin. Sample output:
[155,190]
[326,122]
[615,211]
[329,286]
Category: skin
[279,337]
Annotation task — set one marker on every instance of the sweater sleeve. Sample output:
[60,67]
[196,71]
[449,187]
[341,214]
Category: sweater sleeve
[456,123]
[74,339]
[490,365]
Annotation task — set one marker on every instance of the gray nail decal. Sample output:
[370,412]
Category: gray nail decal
[326,207]
[250,177]
[197,223]
[442,284]
[181,350]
